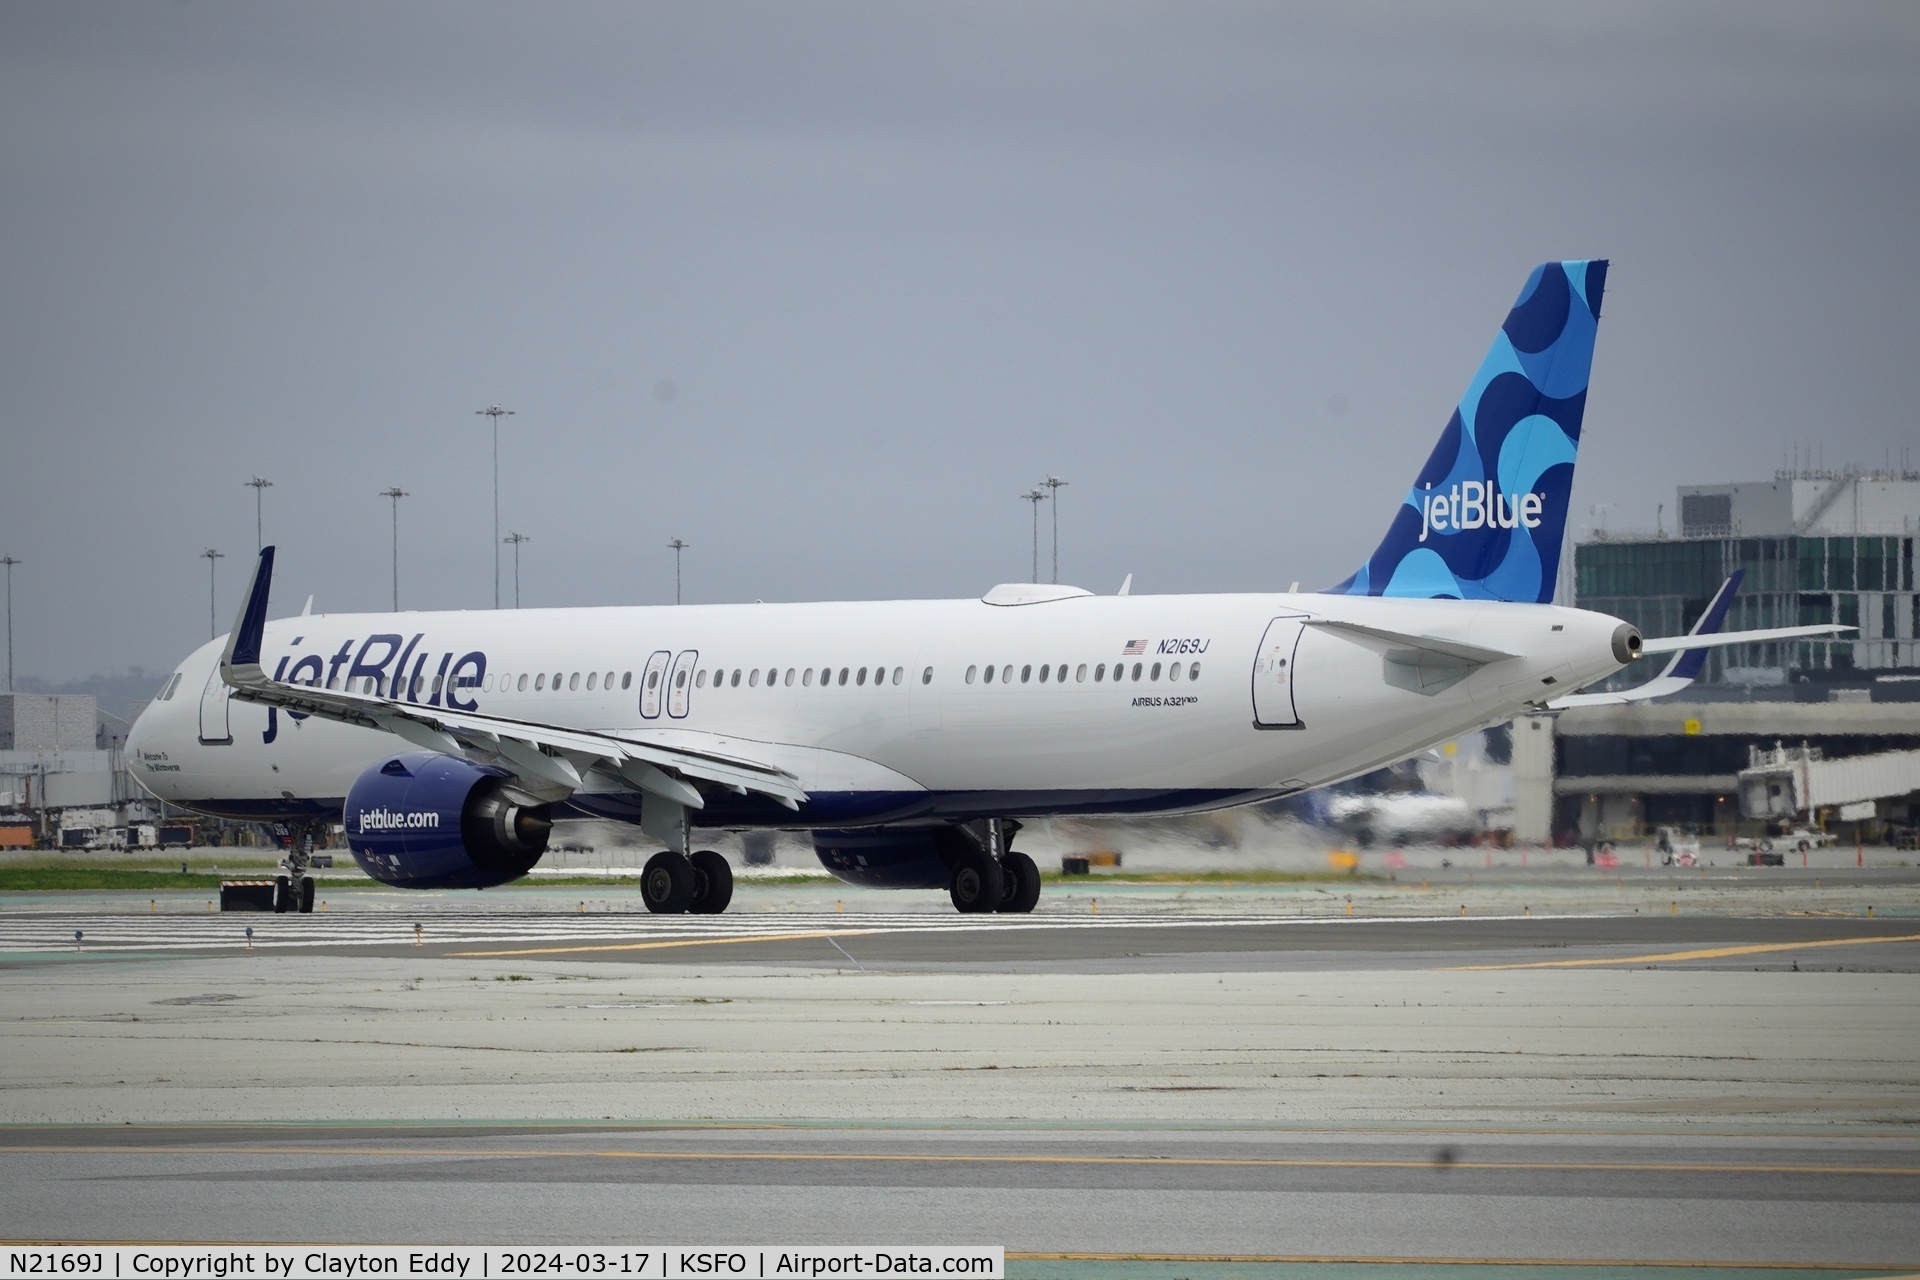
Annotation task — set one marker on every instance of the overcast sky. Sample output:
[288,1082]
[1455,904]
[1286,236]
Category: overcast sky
[822,288]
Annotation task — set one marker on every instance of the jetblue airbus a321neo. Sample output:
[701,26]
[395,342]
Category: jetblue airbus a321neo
[912,738]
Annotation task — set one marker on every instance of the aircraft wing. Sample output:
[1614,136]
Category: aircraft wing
[551,758]
[1690,652]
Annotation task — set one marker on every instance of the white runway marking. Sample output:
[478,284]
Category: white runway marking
[53,931]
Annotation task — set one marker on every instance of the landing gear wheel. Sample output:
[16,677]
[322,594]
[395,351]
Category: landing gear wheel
[282,895]
[1022,878]
[977,883]
[306,895]
[713,883]
[666,884]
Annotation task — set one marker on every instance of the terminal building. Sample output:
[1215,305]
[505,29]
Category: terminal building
[1815,547]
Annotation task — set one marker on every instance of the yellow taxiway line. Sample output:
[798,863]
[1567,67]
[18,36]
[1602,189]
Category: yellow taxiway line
[1704,953]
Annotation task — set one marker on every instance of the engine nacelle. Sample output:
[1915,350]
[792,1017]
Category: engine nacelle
[425,820]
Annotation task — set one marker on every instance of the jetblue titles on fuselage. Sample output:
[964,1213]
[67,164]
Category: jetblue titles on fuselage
[379,664]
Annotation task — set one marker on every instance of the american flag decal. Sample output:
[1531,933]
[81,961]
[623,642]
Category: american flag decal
[1134,649]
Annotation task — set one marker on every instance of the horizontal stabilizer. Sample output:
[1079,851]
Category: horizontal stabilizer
[1674,644]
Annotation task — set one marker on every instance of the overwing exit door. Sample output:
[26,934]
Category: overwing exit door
[1273,674]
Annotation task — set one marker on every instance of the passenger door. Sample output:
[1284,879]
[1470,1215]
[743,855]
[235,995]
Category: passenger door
[215,729]
[1273,674]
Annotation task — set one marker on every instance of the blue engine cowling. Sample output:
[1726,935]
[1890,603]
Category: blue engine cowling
[891,857]
[424,820]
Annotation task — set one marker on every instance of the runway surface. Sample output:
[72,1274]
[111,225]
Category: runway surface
[1175,1083]
[1080,943]
[1696,1198]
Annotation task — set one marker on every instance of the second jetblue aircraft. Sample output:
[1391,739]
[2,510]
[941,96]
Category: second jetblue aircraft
[911,738]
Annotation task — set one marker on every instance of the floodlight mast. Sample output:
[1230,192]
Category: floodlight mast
[257,485]
[9,561]
[514,540]
[395,492]
[677,546]
[1055,484]
[213,616]
[495,412]
[1036,498]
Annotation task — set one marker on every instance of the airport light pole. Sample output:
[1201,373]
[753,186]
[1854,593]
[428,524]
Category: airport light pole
[1036,498]
[259,537]
[514,540]
[495,412]
[396,493]
[1055,484]
[9,561]
[213,616]
[677,546]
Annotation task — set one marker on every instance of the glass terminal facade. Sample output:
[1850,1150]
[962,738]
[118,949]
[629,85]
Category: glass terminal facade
[1662,585]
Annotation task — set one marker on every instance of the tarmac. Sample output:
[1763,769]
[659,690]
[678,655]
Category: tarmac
[1210,1080]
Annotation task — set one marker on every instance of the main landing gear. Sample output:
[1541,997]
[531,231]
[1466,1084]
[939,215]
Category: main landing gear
[700,883]
[989,876]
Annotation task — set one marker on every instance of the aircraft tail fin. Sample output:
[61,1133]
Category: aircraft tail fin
[1486,515]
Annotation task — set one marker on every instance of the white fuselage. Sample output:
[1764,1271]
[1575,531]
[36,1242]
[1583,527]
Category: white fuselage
[932,738]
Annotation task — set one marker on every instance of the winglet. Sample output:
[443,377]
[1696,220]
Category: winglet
[249,628]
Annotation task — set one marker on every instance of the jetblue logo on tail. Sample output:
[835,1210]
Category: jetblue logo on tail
[1472,505]
[1485,516]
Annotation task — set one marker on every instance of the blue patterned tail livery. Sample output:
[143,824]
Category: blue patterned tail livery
[1485,517]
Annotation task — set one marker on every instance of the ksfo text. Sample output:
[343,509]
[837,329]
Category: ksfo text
[457,1262]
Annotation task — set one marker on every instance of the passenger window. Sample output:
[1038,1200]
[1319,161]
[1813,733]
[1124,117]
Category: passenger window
[1156,672]
[806,678]
[735,682]
[573,682]
[1173,671]
[860,677]
[626,679]
[1044,672]
[436,685]
[592,678]
[700,681]
[1026,673]
[753,678]
[898,673]
[540,681]
[653,679]
[989,675]
[843,675]
[972,672]
[926,677]
[789,679]
[1193,672]
[1136,671]
[1060,676]
[680,680]
[1100,673]
[556,682]
[1080,675]
[523,683]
